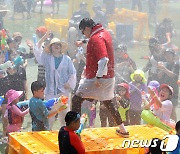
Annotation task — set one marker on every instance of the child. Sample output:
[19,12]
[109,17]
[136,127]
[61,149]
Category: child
[152,86]
[177,150]
[123,102]
[90,109]
[125,66]
[163,103]
[69,141]
[40,32]
[38,110]
[155,150]
[13,113]
[137,86]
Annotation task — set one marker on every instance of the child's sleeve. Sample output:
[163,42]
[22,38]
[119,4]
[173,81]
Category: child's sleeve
[77,143]
[17,111]
[38,53]
[166,106]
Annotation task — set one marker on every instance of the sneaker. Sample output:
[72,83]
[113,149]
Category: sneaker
[126,134]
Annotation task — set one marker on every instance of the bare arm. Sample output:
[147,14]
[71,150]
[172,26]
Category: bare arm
[26,89]
[40,42]
[53,113]
[168,72]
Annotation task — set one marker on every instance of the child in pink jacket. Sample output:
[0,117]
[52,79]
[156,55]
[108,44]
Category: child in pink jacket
[13,113]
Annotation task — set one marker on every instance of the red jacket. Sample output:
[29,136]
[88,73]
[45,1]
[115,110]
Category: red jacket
[99,46]
[69,142]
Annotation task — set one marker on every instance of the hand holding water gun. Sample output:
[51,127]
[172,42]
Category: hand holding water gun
[4,67]
[57,103]
[62,103]
[151,119]
[11,65]
[83,121]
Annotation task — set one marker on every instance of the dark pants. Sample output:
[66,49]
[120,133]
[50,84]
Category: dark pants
[105,115]
[134,117]
[79,73]
[77,101]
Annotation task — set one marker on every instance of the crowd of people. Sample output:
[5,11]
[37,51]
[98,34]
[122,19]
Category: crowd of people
[93,69]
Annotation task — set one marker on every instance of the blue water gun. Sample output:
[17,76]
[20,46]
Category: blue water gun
[50,103]
[18,61]
[60,102]
[1,100]
[83,121]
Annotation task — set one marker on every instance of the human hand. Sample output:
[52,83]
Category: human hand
[48,34]
[118,98]
[161,65]
[11,71]
[29,44]
[151,92]
[63,107]
[78,43]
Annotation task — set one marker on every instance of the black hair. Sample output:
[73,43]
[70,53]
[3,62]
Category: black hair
[37,85]
[71,116]
[152,42]
[86,22]
[155,150]
[177,127]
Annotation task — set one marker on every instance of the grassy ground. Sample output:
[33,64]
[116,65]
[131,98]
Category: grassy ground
[27,28]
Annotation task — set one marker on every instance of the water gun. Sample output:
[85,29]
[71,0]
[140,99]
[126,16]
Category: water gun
[23,105]
[18,61]
[6,65]
[3,39]
[151,119]
[1,100]
[83,121]
[57,103]
[34,39]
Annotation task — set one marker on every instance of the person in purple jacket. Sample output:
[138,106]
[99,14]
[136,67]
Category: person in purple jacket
[137,87]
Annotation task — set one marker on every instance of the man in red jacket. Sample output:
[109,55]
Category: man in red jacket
[99,80]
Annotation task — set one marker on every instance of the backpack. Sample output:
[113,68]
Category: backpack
[14,118]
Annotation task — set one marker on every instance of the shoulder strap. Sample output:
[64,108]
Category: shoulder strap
[37,122]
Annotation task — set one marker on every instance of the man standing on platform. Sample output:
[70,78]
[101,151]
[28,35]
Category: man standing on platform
[99,80]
